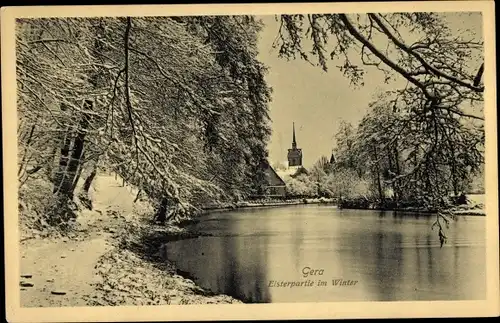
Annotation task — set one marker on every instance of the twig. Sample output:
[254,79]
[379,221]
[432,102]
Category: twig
[127,92]
[355,33]
[429,67]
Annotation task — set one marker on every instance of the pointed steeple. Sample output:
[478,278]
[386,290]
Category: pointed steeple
[332,159]
[294,142]
[294,154]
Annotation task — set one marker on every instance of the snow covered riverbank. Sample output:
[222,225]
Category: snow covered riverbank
[267,203]
[137,272]
[112,257]
[474,206]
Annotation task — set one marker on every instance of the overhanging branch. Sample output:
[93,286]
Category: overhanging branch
[426,65]
[355,33]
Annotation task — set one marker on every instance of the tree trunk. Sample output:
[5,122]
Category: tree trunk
[28,144]
[89,179]
[391,171]
[454,177]
[137,196]
[70,167]
[84,193]
[66,186]
[377,170]
[63,159]
[393,166]
[95,79]
[78,173]
[161,213]
[398,172]
[50,164]
[379,185]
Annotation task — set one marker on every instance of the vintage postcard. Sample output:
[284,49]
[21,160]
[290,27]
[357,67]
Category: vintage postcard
[250,161]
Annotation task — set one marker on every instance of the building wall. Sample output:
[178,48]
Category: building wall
[276,191]
[294,157]
[273,178]
[276,186]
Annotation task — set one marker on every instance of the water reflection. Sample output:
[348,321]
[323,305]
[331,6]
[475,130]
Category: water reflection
[410,265]
[393,256]
[229,263]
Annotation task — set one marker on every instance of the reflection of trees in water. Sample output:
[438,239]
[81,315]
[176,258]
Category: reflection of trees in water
[396,256]
[388,264]
[243,268]
[402,260]
[380,256]
[397,218]
[229,282]
[418,260]
[296,240]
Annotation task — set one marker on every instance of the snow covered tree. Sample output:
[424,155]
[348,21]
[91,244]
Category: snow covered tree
[181,114]
[417,46]
[442,67]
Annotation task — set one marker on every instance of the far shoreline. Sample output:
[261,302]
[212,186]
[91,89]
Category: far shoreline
[476,212]
[469,210]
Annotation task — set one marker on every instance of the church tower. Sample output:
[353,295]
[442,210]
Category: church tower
[294,154]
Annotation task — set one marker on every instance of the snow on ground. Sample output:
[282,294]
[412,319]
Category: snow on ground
[93,268]
[66,264]
[476,198]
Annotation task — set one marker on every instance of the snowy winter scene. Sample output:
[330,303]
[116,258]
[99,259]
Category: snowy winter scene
[236,159]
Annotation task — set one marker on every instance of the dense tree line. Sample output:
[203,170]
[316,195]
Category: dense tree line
[394,158]
[178,107]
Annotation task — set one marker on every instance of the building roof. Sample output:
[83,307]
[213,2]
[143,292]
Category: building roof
[290,171]
[274,178]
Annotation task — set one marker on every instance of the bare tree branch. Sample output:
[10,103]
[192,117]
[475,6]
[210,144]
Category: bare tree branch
[127,89]
[354,32]
[429,67]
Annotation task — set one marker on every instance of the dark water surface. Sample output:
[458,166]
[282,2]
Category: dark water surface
[392,256]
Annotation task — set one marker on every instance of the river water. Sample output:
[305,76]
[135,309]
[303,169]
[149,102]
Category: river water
[262,255]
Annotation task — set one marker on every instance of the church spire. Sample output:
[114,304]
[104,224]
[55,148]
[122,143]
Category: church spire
[294,154]
[332,159]
[294,142]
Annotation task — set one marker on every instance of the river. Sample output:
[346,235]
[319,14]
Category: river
[378,255]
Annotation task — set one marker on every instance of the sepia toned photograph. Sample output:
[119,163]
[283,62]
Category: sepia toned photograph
[244,157]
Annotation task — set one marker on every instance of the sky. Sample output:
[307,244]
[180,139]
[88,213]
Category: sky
[316,100]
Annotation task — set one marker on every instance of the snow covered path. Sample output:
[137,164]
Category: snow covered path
[66,266]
